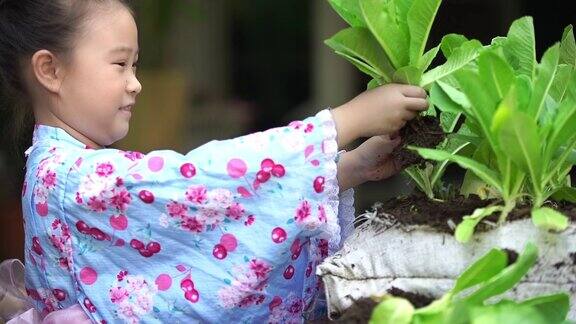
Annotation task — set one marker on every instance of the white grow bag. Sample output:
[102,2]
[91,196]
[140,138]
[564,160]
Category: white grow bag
[421,260]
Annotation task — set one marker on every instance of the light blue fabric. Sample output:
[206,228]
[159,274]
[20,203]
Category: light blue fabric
[230,232]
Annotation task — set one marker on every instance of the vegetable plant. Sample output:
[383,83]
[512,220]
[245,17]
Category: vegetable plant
[469,300]
[522,114]
[387,40]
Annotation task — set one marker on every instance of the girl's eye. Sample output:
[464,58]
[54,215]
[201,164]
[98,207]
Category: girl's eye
[122,64]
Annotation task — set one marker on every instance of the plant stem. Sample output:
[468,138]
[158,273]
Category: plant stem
[508,207]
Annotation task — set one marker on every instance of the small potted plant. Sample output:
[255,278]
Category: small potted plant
[510,123]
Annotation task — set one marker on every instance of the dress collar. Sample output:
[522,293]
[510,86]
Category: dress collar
[44,133]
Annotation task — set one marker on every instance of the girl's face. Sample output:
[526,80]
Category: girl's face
[100,86]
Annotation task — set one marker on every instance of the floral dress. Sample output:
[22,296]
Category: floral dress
[229,232]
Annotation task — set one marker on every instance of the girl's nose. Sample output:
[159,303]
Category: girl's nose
[134,86]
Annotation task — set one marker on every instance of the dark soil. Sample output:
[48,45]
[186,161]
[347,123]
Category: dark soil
[359,313]
[423,131]
[362,309]
[417,209]
[512,256]
[417,300]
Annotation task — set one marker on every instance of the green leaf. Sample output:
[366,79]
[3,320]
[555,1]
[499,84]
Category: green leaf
[507,313]
[408,75]
[420,18]
[380,17]
[565,193]
[554,308]
[483,106]
[549,219]
[544,78]
[561,83]
[483,172]
[563,132]
[455,95]
[439,168]
[393,311]
[465,229]
[360,44]
[450,43]
[374,83]
[449,121]
[507,278]
[362,66]
[439,98]
[426,59]
[519,139]
[496,73]
[485,268]
[420,179]
[463,55]
[520,46]
[350,11]
[568,47]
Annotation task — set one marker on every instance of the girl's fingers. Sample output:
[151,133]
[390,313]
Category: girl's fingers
[411,91]
[410,114]
[416,104]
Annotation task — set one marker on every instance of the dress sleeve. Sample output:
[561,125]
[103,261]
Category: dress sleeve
[239,223]
[346,214]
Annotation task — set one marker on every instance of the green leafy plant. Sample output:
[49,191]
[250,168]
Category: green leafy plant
[387,40]
[522,114]
[468,300]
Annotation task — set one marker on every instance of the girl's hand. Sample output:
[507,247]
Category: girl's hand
[380,111]
[371,161]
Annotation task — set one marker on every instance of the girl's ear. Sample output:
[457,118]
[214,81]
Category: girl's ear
[48,70]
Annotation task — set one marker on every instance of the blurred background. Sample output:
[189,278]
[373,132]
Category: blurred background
[217,69]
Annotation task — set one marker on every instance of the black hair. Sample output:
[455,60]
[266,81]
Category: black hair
[27,26]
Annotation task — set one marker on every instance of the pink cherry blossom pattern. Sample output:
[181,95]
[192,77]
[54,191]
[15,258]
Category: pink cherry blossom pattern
[279,235]
[36,247]
[289,272]
[236,168]
[89,306]
[263,176]
[309,150]
[192,296]
[309,269]
[188,170]
[229,242]
[42,209]
[155,163]
[296,249]
[243,192]
[163,282]
[153,247]
[59,294]
[276,301]
[319,184]
[88,276]
[278,171]
[219,252]
[146,196]
[82,227]
[119,222]
[267,164]
[187,284]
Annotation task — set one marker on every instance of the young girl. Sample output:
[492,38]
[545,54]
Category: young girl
[229,232]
